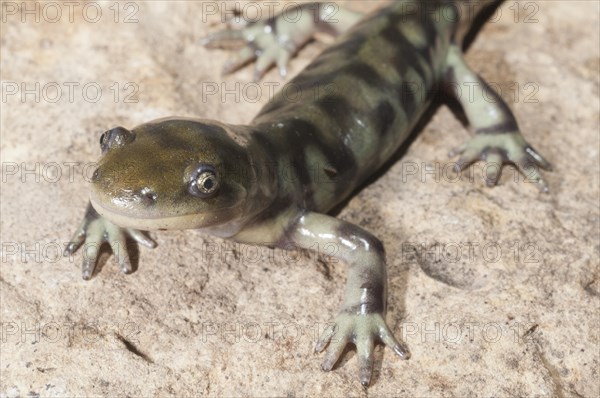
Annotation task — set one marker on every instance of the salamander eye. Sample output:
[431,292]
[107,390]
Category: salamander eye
[116,137]
[204,182]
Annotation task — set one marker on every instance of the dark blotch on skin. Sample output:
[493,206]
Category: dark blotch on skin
[348,229]
[367,74]
[300,135]
[450,74]
[385,115]
[425,19]
[337,154]
[375,286]
[398,61]
[335,107]
[404,49]
[310,85]
[294,146]
[392,34]
[408,98]
[509,126]
[286,240]
[430,30]
[374,302]
[403,58]
[351,46]
[338,109]
[320,61]
[372,305]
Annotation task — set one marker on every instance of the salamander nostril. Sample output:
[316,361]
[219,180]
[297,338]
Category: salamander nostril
[148,196]
[96,175]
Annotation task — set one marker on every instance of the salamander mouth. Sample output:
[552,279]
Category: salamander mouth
[148,222]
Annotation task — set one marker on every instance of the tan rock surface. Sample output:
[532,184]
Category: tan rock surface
[496,291]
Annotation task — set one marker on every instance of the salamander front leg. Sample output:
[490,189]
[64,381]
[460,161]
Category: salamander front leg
[361,319]
[497,140]
[277,39]
[94,231]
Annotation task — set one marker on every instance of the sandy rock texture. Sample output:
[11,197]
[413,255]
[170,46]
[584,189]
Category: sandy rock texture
[495,290]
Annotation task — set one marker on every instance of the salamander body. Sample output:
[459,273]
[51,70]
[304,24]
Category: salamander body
[274,180]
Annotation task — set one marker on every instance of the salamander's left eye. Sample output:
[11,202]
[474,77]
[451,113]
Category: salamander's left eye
[204,182]
[115,138]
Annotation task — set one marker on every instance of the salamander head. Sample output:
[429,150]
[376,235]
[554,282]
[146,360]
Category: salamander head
[171,174]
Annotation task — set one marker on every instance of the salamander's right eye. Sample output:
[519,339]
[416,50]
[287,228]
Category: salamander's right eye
[116,137]
[204,182]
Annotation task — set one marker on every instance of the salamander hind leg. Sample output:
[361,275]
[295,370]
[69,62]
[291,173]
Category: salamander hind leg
[361,330]
[276,40]
[361,319]
[498,140]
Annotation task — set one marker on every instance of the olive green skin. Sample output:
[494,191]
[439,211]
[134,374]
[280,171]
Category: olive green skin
[145,183]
